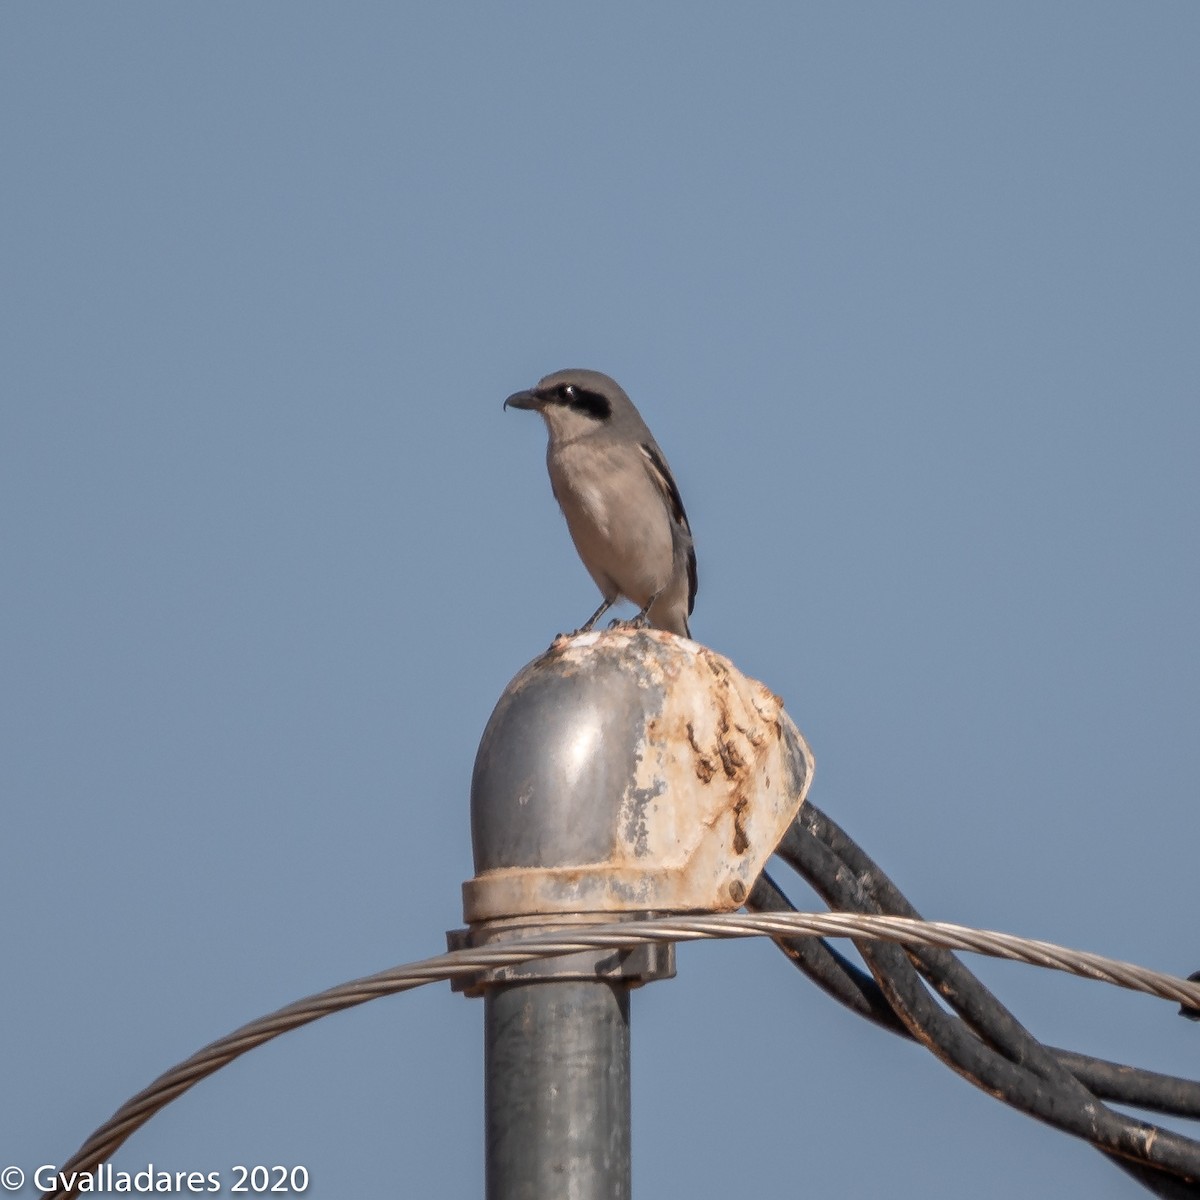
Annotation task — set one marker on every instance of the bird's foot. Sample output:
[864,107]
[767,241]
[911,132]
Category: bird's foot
[638,621]
[568,634]
[642,619]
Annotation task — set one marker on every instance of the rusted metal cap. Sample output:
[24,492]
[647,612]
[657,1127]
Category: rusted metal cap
[630,771]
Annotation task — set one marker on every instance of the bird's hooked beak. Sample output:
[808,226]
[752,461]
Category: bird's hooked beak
[525,399]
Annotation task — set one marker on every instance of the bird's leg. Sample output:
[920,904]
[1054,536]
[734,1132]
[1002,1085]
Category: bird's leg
[642,618]
[586,627]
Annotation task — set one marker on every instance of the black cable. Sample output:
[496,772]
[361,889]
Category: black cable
[858,991]
[1060,1102]
[998,1027]
[825,966]
[1122,1084]
[1134,1086]
[988,1046]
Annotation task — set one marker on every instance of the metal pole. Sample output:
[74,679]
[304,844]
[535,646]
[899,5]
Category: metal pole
[620,775]
[557,1090]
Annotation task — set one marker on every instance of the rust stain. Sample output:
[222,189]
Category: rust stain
[718,668]
[741,842]
[754,736]
[731,756]
[731,759]
[739,772]
[705,767]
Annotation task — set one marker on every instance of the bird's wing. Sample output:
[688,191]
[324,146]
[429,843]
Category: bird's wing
[665,482]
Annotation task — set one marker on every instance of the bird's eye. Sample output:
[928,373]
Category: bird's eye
[567,392]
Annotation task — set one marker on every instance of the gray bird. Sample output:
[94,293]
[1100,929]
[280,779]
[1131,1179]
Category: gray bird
[617,494]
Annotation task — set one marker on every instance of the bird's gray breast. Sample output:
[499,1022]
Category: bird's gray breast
[616,516]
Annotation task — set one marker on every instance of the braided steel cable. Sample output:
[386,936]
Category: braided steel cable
[618,936]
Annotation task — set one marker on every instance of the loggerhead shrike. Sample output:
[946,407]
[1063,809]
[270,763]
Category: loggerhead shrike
[617,494]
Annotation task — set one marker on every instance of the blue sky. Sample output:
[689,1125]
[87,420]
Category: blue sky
[909,295]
